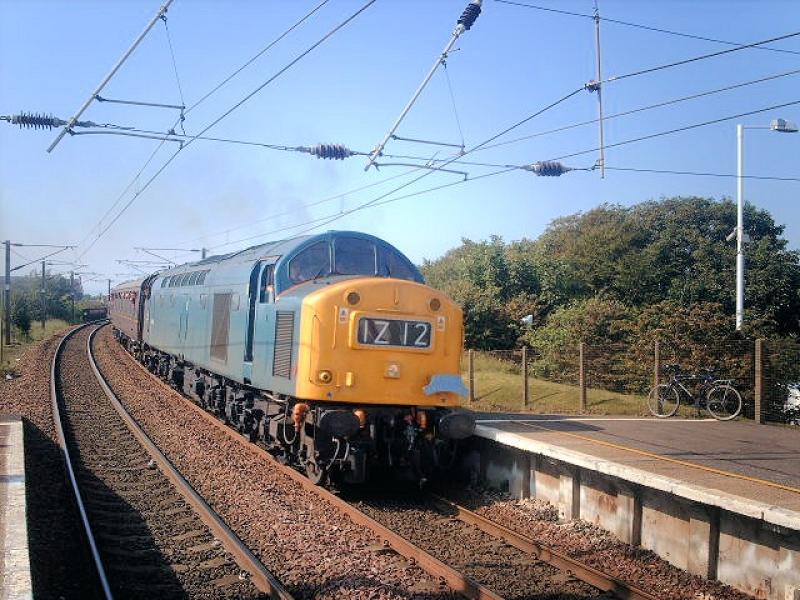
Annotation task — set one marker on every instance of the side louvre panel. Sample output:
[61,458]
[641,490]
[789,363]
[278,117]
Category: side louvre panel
[284,336]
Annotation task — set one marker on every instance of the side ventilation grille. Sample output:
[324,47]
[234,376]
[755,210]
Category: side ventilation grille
[284,336]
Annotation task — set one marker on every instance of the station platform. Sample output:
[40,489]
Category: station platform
[14,559]
[718,499]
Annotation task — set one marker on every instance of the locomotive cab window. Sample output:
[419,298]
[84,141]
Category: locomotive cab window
[313,262]
[397,266]
[354,256]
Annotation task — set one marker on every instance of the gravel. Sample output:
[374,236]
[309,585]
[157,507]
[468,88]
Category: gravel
[151,542]
[314,550]
[489,561]
[538,520]
[60,564]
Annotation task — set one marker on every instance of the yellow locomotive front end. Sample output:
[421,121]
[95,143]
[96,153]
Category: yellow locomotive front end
[375,341]
[378,379]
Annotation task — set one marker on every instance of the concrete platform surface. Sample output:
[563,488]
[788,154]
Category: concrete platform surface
[739,466]
[15,583]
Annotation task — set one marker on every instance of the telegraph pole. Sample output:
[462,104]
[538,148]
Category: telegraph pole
[44,296]
[72,294]
[109,291]
[7,294]
[203,252]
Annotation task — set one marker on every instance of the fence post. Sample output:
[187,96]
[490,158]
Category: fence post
[656,362]
[758,387]
[471,367]
[582,377]
[525,398]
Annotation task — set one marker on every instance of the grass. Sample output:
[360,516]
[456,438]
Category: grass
[498,388]
[11,354]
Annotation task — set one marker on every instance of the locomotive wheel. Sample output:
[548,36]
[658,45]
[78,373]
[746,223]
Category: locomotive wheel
[318,475]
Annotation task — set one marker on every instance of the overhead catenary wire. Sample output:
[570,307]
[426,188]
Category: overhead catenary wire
[174,69]
[280,72]
[702,174]
[680,129]
[642,26]
[645,108]
[453,102]
[692,59]
[200,101]
[381,200]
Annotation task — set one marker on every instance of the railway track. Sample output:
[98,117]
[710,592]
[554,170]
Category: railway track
[530,562]
[149,533]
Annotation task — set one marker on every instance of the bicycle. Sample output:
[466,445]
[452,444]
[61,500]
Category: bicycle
[717,396]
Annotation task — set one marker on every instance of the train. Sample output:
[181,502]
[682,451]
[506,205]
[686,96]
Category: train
[94,313]
[329,349]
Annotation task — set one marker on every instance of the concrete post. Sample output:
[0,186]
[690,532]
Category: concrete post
[759,380]
[471,368]
[582,376]
[44,297]
[656,362]
[525,398]
[7,295]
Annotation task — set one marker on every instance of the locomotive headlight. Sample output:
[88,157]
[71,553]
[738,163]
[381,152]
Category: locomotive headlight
[353,298]
[324,376]
[392,371]
[435,304]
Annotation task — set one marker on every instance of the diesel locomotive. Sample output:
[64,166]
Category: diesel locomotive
[329,349]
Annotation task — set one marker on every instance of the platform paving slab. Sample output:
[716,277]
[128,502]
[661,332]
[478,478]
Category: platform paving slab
[14,557]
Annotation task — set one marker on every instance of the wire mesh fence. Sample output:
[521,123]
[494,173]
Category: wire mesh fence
[616,378]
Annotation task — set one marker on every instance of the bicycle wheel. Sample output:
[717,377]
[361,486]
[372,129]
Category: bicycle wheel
[723,402]
[663,401]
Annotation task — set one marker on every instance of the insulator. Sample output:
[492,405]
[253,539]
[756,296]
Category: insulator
[470,14]
[36,121]
[332,151]
[548,168]
[591,86]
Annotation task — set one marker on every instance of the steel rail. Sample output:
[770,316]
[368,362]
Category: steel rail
[62,442]
[455,580]
[262,578]
[572,566]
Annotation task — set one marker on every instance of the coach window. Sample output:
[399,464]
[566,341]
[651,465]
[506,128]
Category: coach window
[266,288]
[313,262]
[354,256]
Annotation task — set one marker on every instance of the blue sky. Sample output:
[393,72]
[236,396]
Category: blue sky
[513,62]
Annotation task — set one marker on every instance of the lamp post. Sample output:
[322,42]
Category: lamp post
[779,125]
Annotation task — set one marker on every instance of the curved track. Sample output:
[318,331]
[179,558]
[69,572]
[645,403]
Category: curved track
[563,572]
[149,533]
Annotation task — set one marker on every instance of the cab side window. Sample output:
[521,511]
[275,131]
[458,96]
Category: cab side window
[266,287]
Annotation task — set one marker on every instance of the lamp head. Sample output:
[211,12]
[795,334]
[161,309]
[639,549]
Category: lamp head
[783,126]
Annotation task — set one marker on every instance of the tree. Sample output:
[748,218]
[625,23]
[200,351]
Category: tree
[21,314]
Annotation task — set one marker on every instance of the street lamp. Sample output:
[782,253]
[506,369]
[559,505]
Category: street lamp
[781,126]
